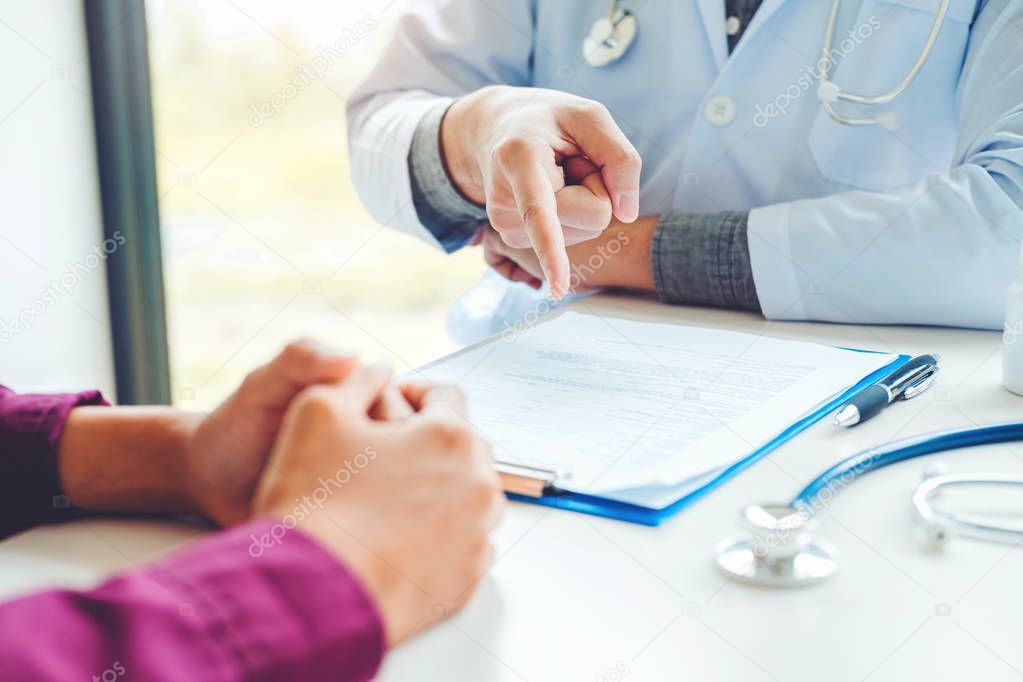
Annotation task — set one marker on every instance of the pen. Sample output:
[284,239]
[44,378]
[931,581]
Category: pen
[908,381]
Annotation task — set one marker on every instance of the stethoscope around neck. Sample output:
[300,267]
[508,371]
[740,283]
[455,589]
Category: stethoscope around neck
[614,33]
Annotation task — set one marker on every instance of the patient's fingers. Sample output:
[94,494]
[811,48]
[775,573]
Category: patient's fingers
[434,397]
[391,406]
[301,364]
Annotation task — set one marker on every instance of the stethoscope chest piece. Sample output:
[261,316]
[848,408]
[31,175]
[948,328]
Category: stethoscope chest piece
[778,551]
[610,38]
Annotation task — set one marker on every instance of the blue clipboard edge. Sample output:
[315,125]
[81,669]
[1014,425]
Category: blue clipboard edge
[623,511]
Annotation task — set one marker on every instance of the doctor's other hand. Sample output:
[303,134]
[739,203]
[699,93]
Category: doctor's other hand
[407,505]
[551,168]
[619,257]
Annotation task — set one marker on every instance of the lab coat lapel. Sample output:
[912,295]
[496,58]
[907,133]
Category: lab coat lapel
[763,13]
[713,14]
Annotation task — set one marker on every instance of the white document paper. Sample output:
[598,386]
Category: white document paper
[625,408]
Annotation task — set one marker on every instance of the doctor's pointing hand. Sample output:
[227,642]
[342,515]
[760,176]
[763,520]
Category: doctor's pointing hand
[550,167]
[848,161]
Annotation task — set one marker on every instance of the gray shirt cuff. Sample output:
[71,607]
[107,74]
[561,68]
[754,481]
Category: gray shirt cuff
[442,209]
[703,259]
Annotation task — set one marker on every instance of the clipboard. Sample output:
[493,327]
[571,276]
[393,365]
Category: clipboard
[543,491]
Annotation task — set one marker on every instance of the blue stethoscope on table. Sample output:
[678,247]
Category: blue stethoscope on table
[614,33]
[779,549]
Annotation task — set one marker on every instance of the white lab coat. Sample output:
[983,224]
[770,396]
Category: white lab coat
[851,224]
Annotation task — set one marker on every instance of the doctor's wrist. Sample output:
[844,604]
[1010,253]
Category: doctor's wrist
[457,133]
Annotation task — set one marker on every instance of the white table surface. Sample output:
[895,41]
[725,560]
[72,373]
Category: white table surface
[574,597]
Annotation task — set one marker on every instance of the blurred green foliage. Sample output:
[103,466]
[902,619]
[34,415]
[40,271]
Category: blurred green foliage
[264,236]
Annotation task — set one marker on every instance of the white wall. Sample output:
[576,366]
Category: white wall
[49,205]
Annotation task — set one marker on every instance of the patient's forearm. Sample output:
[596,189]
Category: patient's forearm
[690,258]
[126,459]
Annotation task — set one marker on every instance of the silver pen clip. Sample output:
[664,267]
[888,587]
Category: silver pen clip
[919,385]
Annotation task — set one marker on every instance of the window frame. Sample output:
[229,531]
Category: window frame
[125,156]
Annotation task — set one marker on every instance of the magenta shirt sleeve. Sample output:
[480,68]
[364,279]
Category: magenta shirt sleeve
[226,608]
[233,607]
[30,428]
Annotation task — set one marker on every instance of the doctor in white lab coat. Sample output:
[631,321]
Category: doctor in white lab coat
[750,195]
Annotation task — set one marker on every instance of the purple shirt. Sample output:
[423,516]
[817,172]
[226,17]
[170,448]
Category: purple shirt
[214,611]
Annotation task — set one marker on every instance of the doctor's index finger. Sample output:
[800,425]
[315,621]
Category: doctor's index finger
[523,166]
[595,132]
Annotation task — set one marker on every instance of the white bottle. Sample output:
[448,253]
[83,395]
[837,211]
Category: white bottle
[1012,335]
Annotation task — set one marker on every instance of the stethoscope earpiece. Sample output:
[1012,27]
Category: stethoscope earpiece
[829,93]
[940,526]
[936,535]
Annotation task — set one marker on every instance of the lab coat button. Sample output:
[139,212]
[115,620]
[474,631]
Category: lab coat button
[720,110]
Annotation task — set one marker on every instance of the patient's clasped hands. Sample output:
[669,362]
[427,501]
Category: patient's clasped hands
[413,522]
[410,518]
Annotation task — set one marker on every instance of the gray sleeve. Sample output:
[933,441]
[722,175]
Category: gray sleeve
[441,208]
[703,259]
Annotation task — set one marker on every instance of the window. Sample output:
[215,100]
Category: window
[264,238]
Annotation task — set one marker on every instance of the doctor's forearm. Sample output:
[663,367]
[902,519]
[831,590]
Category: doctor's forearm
[442,209]
[687,258]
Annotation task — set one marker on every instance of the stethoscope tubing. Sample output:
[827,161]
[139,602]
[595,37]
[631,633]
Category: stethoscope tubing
[848,470]
[885,97]
[826,85]
[968,524]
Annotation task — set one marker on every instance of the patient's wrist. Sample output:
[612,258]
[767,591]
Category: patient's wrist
[619,257]
[127,459]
